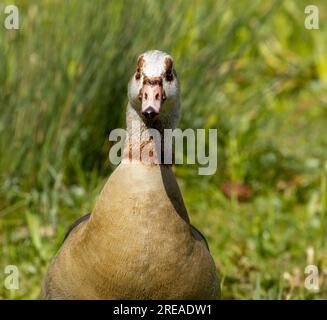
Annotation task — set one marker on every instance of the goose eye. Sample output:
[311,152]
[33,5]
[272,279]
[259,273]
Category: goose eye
[138,74]
[169,75]
[169,69]
[139,65]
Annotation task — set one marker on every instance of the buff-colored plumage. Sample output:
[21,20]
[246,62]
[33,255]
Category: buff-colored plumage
[137,244]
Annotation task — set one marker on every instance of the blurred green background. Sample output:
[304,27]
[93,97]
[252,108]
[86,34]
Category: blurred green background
[248,68]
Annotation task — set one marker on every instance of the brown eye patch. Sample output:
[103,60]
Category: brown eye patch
[169,69]
[139,66]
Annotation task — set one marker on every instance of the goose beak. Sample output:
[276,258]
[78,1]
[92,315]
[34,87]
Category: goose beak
[152,98]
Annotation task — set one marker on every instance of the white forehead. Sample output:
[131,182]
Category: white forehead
[154,63]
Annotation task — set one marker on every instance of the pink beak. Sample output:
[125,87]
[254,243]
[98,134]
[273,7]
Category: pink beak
[152,98]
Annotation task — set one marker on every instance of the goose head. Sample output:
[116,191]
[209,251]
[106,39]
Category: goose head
[153,90]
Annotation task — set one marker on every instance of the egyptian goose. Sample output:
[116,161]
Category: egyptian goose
[138,242]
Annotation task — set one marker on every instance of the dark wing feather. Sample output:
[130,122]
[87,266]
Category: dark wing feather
[76,223]
[200,234]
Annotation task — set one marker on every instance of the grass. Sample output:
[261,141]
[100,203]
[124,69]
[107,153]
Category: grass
[250,69]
